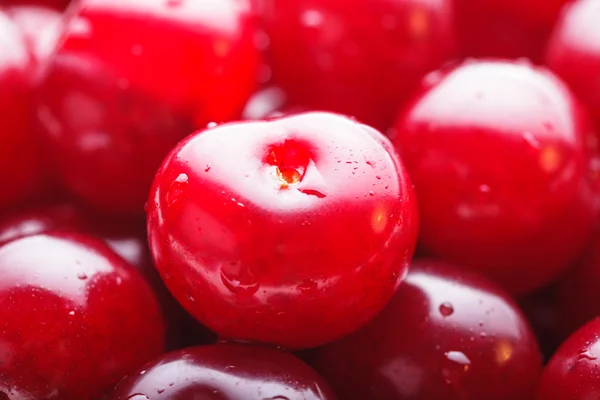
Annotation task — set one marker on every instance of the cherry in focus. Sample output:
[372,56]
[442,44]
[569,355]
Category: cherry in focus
[293,231]
[446,335]
[224,372]
[130,79]
[361,58]
[76,318]
[500,155]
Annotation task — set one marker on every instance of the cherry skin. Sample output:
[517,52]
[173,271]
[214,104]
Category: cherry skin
[113,107]
[446,335]
[498,152]
[574,53]
[75,318]
[291,231]
[573,371]
[224,372]
[362,59]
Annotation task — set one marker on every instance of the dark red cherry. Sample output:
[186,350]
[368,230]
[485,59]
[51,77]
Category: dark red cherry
[573,371]
[75,318]
[446,335]
[499,155]
[132,78]
[224,372]
[292,231]
[359,58]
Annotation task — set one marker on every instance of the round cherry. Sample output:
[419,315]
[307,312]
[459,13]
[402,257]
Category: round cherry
[361,60]
[113,107]
[224,372]
[446,335]
[573,371]
[499,153]
[75,318]
[292,231]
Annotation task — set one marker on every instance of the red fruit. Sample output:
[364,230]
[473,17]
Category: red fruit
[574,51]
[360,58]
[498,153]
[573,371]
[446,335]
[132,78]
[506,28]
[75,318]
[224,372]
[292,231]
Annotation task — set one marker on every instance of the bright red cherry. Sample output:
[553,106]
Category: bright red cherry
[292,231]
[360,58]
[132,78]
[446,335]
[506,28]
[75,318]
[574,51]
[224,372]
[498,152]
[573,371]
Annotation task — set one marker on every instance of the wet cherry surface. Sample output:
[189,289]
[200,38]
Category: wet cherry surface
[225,372]
[292,231]
[75,318]
[113,107]
[574,52]
[573,371]
[446,335]
[361,60]
[499,153]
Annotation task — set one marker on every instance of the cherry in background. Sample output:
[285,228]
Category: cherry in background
[573,371]
[75,318]
[506,28]
[132,78]
[293,231]
[446,335]
[224,372]
[500,153]
[360,58]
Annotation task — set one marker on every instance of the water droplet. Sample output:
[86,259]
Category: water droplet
[82,275]
[160,391]
[531,140]
[72,313]
[278,398]
[455,364]
[211,125]
[137,396]
[308,286]
[238,279]
[190,298]
[207,167]
[370,163]
[446,309]
[483,335]
[371,193]
[377,176]
[143,372]
[177,190]
[586,354]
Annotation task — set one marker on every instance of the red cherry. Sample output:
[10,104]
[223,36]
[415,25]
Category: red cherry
[574,54]
[131,78]
[75,318]
[573,371]
[292,231]
[361,58]
[498,155]
[224,372]
[446,335]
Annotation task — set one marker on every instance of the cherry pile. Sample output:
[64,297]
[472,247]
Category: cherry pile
[299,199]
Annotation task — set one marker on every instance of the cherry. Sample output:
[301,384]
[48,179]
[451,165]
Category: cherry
[498,152]
[574,54]
[75,317]
[362,59]
[446,334]
[113,107]
[506,28]
[292,231]
[224,372]
[573,371]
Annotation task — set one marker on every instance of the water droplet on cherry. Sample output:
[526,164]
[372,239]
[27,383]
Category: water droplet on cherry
[454,365]
[177,190]
[446,309]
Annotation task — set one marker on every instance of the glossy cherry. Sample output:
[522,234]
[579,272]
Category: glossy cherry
[113,106]
[574,51]
[573,371]
[499,153]
[361,59]
[224,372]
[293,231]
[75,318]
[446,335]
